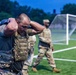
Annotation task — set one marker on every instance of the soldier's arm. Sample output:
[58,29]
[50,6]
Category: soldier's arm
[11,27]
[37,28]
[32,32]
[51,43]
[45,40]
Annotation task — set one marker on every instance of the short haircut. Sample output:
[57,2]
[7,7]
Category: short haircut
[21,17]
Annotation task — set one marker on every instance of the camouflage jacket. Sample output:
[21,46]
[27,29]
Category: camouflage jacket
[31,41]
[21,45]
[45,39]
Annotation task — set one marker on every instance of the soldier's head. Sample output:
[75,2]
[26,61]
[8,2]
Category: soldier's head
[46,22]
[23,20]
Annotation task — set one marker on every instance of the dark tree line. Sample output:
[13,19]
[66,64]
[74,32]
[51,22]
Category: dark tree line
[13,9]
[69,8]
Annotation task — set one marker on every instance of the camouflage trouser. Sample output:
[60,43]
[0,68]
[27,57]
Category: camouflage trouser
[5,72]
[30,57]
[20,68]
[25,69]
[45,52]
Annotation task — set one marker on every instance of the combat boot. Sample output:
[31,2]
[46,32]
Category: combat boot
[34,69]
[56,70]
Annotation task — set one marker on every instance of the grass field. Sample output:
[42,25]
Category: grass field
[65,60]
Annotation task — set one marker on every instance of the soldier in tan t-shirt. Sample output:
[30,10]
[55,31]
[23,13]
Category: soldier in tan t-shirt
[45,48]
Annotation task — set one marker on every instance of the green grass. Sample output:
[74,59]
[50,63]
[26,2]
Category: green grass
[67,68]
[71,54]
[72,43]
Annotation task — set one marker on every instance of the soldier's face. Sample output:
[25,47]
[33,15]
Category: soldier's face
[24,23]
[46,24]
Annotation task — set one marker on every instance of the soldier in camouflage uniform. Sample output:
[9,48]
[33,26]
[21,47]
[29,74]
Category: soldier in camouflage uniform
[31,43]
[45,48]
[18,30]
[6,56]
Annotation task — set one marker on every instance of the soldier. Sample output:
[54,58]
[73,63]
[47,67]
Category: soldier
[18,30]
[45,48]
[6,55]
[31,44]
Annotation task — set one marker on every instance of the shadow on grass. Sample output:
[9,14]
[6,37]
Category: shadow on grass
[41,67]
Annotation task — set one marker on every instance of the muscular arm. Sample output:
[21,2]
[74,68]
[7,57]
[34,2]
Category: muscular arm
[37,27]
[11,27]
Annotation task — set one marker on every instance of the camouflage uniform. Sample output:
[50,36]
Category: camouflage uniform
[31,43]
[5,53]
[6,72]
[19,42]
[21,51]
[45,48]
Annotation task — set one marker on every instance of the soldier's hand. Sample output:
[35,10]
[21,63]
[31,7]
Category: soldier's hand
[12,25]
[52,48]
